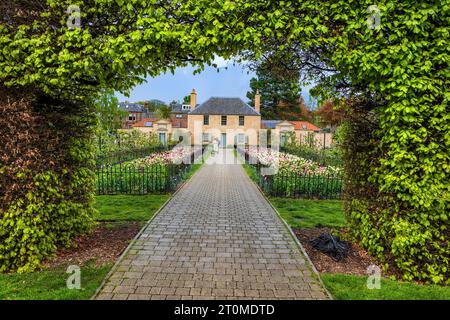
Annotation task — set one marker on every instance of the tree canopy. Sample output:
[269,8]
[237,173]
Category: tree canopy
[390,62]
[280,97]
[110,116]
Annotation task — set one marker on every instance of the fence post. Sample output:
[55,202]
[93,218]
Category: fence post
[168,174]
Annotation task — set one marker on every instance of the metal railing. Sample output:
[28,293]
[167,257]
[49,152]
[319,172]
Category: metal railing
[296,185]
[122,178]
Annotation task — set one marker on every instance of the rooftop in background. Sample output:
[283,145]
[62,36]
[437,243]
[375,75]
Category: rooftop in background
[132,107]
[180,108]
[298,125]
[225,106]
[146,122]
[304,125]
[269,124]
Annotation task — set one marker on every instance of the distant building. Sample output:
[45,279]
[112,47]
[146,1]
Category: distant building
[231,121]
[134,113]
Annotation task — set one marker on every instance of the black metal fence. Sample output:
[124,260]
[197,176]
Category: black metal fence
[125,179]
[123,156]
[309,186]
[122,178]
[294,185]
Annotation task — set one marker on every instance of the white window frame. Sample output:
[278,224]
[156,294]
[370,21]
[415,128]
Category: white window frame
[206,137]
[241,138]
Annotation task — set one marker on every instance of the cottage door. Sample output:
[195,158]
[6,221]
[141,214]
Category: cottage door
[283,139]
[223,140]
[162,138]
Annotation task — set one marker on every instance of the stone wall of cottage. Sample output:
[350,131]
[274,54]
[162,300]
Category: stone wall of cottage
[251,127]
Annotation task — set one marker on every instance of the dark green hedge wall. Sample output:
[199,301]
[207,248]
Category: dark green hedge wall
[46,177]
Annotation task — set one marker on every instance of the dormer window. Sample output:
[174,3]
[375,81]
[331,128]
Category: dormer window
[185,107]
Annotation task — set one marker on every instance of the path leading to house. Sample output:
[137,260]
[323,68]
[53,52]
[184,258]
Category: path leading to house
[217,238]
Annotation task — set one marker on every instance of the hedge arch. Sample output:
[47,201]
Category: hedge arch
[396,73]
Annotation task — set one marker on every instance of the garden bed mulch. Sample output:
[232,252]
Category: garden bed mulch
[356,263]
[102,247]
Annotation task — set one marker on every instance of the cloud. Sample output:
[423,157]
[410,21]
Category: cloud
[221,62]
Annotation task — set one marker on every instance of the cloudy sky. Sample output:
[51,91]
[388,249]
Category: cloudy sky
[230,81]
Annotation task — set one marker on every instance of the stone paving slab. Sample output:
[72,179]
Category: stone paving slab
[217,238]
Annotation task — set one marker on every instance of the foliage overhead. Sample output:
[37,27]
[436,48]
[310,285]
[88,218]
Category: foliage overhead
[395,74]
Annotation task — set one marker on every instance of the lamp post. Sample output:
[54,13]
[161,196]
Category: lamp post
[325,131]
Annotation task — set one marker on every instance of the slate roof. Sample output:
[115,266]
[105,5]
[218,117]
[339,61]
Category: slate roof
[131,107]
[225,106]
[269,124]
[177,108]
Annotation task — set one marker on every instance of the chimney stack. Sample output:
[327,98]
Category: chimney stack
[193,100]
[257,101]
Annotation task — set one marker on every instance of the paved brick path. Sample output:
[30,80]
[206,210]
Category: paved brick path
[217,238]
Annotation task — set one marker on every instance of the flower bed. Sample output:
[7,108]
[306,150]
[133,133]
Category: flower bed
[177,155]
[159,172]
[295,176]
[290,164]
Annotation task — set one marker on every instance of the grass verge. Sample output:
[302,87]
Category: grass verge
[50,284]
[350,287]
[300,213]
[128,207]
[305,214]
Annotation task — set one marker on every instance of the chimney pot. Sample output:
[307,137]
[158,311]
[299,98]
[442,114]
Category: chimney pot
[257,101]
[193,101]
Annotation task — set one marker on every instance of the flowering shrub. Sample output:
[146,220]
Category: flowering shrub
[290,164]
[177,155]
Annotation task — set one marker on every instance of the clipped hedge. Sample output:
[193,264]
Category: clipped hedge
[408,237]
[46,177]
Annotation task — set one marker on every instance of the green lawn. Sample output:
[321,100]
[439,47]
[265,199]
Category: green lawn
[349,287]
[300,213]
[50,285]
[129,207]
[251,172]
